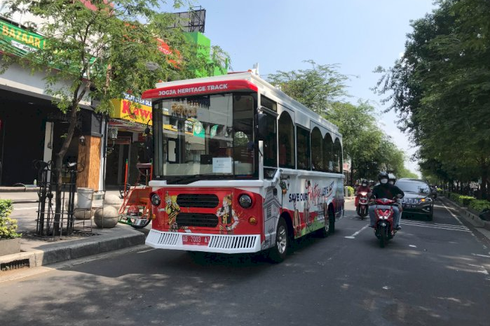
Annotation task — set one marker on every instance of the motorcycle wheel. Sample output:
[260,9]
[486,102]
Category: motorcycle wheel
[383,238]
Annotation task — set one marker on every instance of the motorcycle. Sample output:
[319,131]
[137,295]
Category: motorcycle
[384,226]
[363,204]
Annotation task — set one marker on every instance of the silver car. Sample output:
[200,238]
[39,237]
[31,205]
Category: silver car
[419,198]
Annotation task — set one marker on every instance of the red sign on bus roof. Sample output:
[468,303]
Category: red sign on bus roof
[199,88]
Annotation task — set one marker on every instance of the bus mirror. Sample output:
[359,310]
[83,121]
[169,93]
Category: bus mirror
[262,126]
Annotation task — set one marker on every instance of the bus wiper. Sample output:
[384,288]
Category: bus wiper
[185,179]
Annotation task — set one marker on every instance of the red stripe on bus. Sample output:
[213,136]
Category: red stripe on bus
[199,88]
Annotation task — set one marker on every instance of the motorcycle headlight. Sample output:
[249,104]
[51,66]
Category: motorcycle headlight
[155,200]
[245,201]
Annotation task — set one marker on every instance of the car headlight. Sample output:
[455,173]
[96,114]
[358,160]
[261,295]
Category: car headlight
[245,201]
[155,200]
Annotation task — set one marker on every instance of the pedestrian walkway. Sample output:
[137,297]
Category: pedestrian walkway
[84,241]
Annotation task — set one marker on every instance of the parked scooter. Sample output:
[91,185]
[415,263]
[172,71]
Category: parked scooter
[363,204]
[384,226]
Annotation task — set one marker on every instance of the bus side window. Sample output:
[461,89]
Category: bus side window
[286,141]
[303,146]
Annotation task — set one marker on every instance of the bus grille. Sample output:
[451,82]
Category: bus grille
[167,238]
[233,242]
[198,200]
[196,219]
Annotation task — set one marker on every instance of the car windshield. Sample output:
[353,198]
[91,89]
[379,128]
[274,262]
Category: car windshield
[413,186]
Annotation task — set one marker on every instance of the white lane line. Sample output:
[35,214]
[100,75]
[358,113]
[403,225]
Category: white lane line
[412,246]
[356,233]
[457,219]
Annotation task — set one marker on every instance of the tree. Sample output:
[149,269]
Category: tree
[317,88]
[102,52]
[321,88]
[440,88]
[361,137]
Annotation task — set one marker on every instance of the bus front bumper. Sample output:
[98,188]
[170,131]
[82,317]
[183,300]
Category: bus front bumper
[228,244]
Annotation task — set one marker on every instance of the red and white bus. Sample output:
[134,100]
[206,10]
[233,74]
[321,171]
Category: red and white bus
[240,167]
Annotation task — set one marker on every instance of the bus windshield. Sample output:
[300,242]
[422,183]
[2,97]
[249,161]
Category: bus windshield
[205,137]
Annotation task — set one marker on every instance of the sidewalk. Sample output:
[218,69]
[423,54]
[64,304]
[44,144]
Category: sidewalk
[84,241]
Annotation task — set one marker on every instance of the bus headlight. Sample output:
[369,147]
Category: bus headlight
[245,201]
[155,200]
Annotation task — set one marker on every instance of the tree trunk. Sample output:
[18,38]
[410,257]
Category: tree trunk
[352,172]
[59,168]
[484,181]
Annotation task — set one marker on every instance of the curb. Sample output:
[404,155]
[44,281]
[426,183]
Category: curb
[19,189]
[73,250]
[24,201]
[475,220]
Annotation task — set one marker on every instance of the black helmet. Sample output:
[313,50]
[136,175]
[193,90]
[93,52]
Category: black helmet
[382,175]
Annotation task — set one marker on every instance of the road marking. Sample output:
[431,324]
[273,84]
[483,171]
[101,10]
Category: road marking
[24,208]
[356,233]
[452,214]
[412,246]
[439,226]
[147,250]
[478,255]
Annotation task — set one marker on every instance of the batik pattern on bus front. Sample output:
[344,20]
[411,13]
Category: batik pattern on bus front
[228,219]
[222,216]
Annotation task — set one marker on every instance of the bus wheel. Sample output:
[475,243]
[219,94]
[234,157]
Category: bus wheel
[331,221]
[279,251]
[325,230]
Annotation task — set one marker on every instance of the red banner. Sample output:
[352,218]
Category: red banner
[200,88]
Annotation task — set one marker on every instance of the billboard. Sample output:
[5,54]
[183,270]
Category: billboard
[190,21]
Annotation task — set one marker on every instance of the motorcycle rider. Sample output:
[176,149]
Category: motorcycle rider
[363,187]
[391,178]
[386,190]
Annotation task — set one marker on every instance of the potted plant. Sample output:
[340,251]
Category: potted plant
[9,238]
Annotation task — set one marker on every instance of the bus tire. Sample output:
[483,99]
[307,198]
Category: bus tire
[278,253]
[325,230]
[331,221]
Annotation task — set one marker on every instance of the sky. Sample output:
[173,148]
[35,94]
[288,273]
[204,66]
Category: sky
[280,35]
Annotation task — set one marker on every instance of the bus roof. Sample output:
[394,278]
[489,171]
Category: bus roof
[233,81]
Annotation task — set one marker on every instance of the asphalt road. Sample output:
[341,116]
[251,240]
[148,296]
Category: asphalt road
[431,273]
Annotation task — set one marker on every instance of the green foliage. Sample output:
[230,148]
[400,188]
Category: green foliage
[439,88]
[320,89]
[350,191]
[461,199]
[479,205]
[317,88]
[8,226]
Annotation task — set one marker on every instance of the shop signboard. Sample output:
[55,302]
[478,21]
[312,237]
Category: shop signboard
[132,109]
[17,41]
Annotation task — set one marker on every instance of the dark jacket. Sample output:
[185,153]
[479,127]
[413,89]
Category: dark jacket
[386,191]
